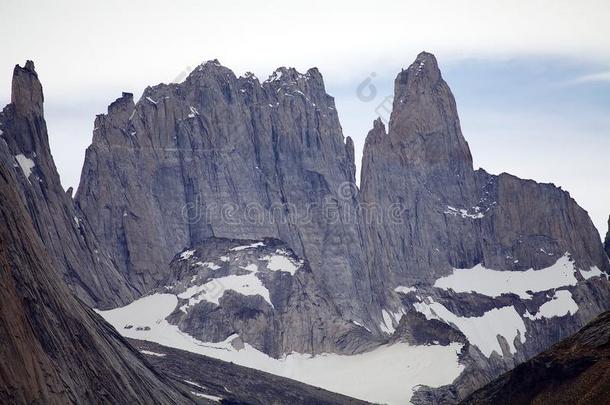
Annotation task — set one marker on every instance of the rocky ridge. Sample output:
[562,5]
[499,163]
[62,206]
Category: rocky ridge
[229,157]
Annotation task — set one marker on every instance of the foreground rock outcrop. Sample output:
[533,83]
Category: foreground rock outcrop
[54,348]
[219,381]
[574,371]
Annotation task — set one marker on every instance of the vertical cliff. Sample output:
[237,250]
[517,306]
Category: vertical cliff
[56,350]
[230,157]
[66,235]
[450,216]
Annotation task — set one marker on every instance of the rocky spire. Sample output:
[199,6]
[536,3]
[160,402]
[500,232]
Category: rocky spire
[26,93]
[424,128]
[65,233]
[54,348]
[424,136]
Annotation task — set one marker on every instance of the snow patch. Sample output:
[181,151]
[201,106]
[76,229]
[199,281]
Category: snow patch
[195,384]
[386,326]
[561,304]
[151,100]
[279,262]
[494,283]
[361,325]
[187,254]
[26,165]
[214,289]
[389,319]
[207,396]
[209,265]
[480,331]
[148,352]
[464,213]
[404,290]
[244,247]
[592,272]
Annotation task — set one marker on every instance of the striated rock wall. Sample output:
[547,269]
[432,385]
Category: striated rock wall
[223,156]
[66,235]
[56,350]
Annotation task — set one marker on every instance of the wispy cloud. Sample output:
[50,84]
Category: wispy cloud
[593,78]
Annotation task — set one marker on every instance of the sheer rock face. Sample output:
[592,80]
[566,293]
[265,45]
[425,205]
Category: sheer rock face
[450,216]
[67,237]
[56,350]
[222,156]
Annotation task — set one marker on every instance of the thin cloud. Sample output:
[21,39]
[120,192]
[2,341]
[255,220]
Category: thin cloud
[598,77]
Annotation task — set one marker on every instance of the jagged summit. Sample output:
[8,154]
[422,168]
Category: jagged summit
[290,74]
[424,134]
[262,137]
[26,92]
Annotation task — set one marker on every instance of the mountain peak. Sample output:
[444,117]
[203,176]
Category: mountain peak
[26,92]
[425,66]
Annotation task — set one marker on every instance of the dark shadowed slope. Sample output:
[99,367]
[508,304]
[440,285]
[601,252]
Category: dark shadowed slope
[574,371]
[53,348]
[67,237]
[232,383]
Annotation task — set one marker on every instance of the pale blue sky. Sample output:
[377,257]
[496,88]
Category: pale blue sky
[531,78]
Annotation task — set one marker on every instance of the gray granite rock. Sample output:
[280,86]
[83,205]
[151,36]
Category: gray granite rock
[229,157]
[453,217]
[283,309]
[67,236]
[55,349]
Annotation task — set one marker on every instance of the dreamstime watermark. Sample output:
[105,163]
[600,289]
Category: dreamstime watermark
[341,207]
[367,92]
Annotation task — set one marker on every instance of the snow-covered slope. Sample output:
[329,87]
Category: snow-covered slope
[387,374]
